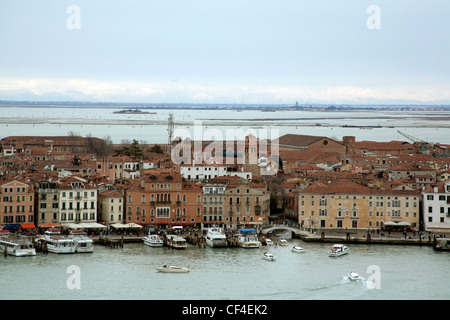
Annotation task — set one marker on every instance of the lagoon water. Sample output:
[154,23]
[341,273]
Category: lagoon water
[152,128]
[405,272]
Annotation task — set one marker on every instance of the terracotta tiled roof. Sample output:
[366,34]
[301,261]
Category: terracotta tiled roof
[374,145]
[299,140]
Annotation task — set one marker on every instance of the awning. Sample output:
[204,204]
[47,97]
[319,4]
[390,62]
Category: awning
[50,225]
[118,225]
[27,226]
[11,226]
[397,224]
[133,225]
[84,225]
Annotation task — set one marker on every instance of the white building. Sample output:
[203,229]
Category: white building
[208,172]
[202,172]
[436,207]
[77,201]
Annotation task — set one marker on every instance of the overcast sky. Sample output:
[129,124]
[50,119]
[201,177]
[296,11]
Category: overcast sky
[225,51]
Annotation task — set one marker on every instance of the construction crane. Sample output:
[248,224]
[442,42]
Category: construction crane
[170,129]
[423,145]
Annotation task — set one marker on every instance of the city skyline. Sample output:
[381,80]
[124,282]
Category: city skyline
[357,52]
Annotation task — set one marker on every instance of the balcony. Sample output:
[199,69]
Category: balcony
[257,209]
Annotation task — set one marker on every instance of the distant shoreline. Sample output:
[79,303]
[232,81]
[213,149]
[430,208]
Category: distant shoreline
[237,106]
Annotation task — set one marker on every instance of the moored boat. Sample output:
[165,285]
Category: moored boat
[82,242]
[441,244]
[172,269]
[176,242]
[215,238]
[153,240]
[16,246]
[247,238]
[58,244]
[338,250]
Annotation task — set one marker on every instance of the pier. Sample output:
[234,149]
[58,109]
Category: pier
[196,239]
[357,236]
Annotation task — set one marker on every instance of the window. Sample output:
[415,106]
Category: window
[163,212]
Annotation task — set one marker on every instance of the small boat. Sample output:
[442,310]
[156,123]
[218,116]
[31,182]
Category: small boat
[297,249]
[441,244]
[247,238]
[353,276]
[59,244]
[269,242]
[172,269]
[338,250]
[82,242]
[268,256]
[153,240]
[283,242]
[176,242]
[16,246]
[216,238]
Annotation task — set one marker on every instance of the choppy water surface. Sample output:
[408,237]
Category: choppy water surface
[406,272]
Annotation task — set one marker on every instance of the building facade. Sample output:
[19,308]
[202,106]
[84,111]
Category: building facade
[17,204]
[47,202]
[165,200]
[436,207]
[77,201]
[111,207]
[353,206]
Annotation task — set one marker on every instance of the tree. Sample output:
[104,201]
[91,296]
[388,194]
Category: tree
[156,149]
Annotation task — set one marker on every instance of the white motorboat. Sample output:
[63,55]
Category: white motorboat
[176,242]
[172,269]
[16,246]
[215,238]
[58,244]
[353,276]
[268,256]
[269,242]
[297,249]
[153,240]
[283,242]
[52,232]
[338,250]
[82,242]
[247,238]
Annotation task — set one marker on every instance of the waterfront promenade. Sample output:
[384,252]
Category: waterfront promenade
[364,236]
[326,236]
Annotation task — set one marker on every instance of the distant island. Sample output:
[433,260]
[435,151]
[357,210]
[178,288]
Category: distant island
[133,111]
